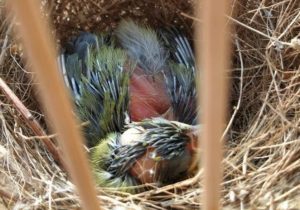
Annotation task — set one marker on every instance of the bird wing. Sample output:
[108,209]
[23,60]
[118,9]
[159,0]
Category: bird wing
[95,73]
[180,76]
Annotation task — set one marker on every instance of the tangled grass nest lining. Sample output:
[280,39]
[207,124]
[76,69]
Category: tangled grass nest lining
[262,151]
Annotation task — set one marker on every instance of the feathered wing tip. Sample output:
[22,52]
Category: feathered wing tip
[83,44]
[101,159]
[142,45]
[180,77]
[96,76]
[105,95]
[181,86]
[71,69]
[180,50]
[72,61]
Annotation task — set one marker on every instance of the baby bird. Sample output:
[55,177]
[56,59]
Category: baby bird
[136,89]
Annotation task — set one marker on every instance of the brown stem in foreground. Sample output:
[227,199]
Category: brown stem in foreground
[39,46]
[31,122]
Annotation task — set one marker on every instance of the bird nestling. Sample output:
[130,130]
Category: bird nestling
[136,88]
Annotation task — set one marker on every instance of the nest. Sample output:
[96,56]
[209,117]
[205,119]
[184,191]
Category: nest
[262,150]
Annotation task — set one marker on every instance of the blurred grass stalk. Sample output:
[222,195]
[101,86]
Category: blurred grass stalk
[40,51]
[212,49]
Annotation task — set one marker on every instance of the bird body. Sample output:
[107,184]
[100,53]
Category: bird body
[148,95]
[136,88]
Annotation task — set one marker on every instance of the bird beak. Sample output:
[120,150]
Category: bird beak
[194,133]
[194,148]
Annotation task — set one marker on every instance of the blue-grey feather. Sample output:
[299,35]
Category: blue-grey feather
[142,45]
[180,76]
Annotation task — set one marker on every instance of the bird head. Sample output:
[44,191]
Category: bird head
[154,151]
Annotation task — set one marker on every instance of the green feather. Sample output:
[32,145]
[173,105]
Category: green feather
[104,98]
[100,162]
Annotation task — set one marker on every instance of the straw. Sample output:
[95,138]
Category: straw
[41,55]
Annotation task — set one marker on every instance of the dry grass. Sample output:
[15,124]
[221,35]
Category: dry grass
[262,153]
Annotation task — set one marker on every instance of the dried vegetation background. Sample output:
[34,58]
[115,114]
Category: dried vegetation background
[262,150]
